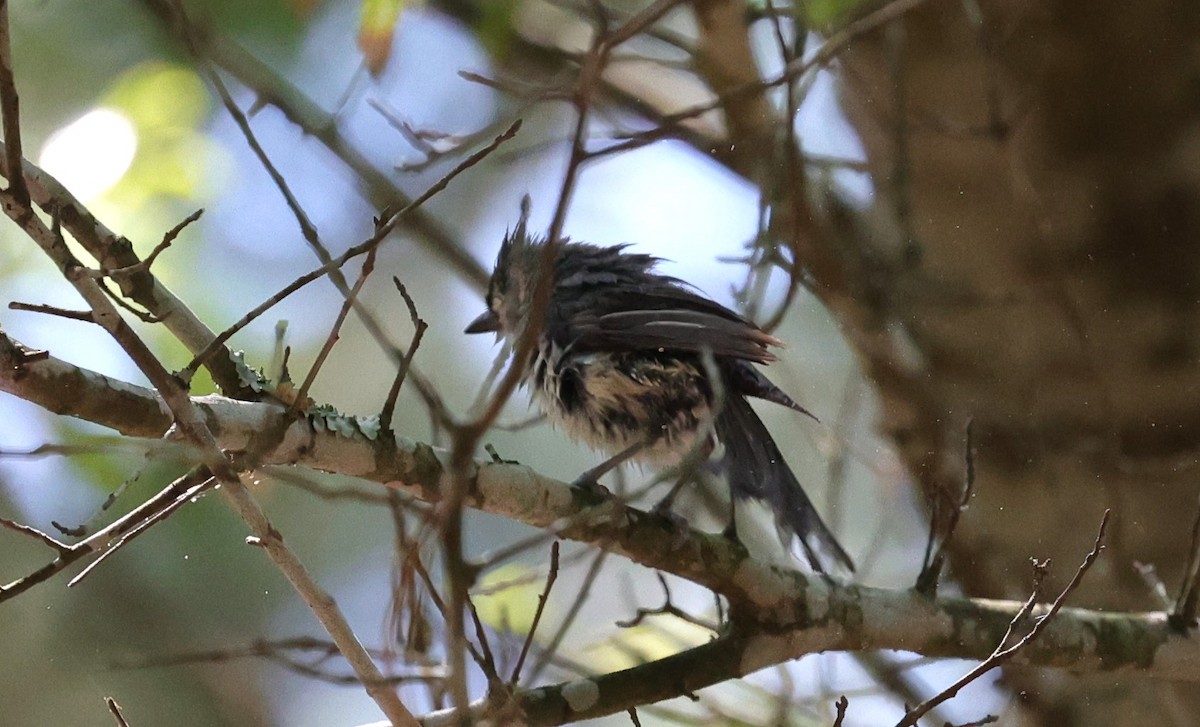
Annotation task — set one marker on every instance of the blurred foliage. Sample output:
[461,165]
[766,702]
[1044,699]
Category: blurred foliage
[820,14]
[656,637]
[175,158]
[507,598]
[191,582]
[187,583]
[495,27]
[268,21]
[376,28]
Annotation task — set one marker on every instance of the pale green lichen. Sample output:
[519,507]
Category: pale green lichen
[581,695]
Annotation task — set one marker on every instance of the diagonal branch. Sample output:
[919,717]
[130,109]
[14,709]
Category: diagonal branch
[321,125]
[115,253]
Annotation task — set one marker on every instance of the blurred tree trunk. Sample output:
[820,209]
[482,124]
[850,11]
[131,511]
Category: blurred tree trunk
[1043,165]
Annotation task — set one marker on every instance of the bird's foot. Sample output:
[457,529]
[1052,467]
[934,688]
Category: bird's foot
[679,524]
[496,458]
[590,485]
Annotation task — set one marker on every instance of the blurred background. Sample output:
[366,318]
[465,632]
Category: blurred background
[116,109]
[126,122]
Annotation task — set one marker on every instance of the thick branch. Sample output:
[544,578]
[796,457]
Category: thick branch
[793,615]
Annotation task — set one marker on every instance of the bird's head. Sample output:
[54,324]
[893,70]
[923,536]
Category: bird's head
[511,287]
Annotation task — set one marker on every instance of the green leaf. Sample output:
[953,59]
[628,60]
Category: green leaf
[376,27]
[495,28]
[828,13]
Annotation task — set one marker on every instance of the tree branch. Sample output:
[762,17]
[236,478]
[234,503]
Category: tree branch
[782,614]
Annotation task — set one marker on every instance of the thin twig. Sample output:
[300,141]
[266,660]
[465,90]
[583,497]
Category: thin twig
[490,670]
[419,327]
[51,310]
[115,709]
[382,231]
[47,540]
[1002,654]
[551,577]
[278,652]
[667,609]
[935,557]
[842,704]
[180,500]
[10,109]
[440,603]
[307,228]
[168,239]
[318,124]
[1183,616]
[99,541]
[551,648]
[368,267]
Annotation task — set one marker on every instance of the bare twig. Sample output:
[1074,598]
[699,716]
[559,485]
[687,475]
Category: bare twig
[325,491]
[1002,654]
[10,109]
[1183,616]
[842,705]
[279,651]
[551,648]
[667,609]
[168,239]
[148,522]
[419,327]
[307,228]
[115,710]
[551,577]
[50,310]
[440,604]
[304,112]
[434,145]
[368,267]
[387,224]
[935,556]
[488,665]
[36,534]
[102,539]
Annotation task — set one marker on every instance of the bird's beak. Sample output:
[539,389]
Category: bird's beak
[487,323]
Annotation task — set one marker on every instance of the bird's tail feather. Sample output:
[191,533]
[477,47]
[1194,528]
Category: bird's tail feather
[756,469]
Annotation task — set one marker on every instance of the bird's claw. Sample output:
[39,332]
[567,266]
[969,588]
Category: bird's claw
[678,523]
[591,486]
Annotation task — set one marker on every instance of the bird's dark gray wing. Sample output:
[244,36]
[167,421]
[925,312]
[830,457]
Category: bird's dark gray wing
[672,319]
[746,380]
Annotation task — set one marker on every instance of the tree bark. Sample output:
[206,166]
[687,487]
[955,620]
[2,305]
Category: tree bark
[1045,166]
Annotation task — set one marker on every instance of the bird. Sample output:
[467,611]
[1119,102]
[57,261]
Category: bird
[642,366]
